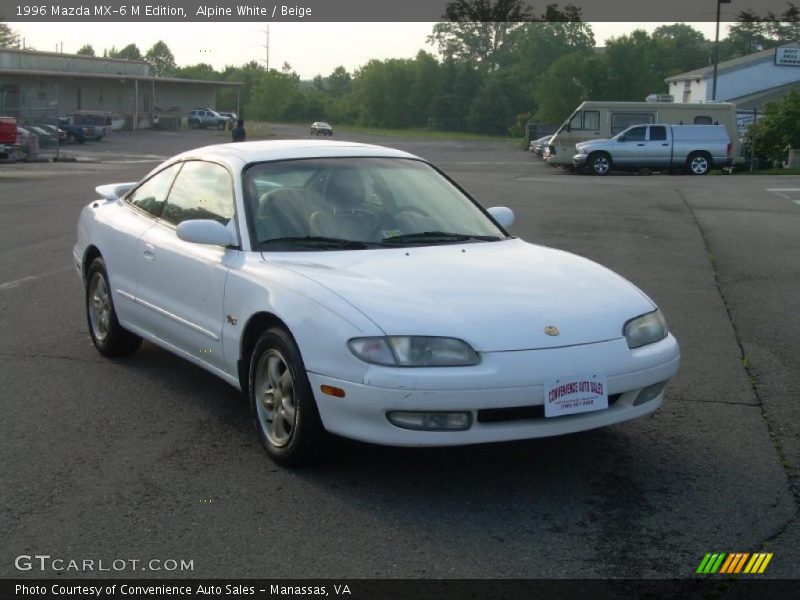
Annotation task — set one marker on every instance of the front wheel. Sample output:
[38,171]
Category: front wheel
[109,337]
[599,163]
[282,404]
[698,163]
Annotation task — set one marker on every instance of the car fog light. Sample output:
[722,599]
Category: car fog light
[650,392]
[431,421]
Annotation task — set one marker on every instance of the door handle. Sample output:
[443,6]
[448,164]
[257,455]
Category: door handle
[640,144]
[148,252]
[665,144]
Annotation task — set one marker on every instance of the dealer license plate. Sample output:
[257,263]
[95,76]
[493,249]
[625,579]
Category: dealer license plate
[573,395]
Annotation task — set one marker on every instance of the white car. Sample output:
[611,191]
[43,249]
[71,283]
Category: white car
[356,290]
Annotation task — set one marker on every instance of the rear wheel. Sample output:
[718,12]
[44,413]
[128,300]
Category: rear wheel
[699,163]
[599,163]
[282,404]
[109,337]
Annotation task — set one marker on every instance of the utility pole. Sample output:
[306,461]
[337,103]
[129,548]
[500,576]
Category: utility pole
[266,46]
[716,51]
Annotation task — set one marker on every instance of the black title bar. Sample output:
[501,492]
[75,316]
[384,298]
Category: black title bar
[394,589]
[357,10]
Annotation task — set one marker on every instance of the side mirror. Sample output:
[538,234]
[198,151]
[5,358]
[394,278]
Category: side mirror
[621,138]
[567,128]
[206,231]
[503,215]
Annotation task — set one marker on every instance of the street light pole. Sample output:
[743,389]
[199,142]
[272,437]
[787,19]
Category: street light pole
[716,50]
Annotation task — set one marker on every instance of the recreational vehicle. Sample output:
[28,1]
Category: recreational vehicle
[598,120]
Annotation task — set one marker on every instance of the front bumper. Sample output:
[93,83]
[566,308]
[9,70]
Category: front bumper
[579,160]
[504,380]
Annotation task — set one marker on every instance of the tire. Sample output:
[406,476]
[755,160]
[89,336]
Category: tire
[698,163]
[278,387]
[109,337]
[599,163]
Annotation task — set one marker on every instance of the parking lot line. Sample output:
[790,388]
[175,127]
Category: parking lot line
[9,285]
[12,284]
[785,193]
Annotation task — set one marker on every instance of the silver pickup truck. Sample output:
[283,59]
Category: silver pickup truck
[695,148]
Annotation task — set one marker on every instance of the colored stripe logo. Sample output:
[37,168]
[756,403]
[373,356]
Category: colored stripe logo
[734,563]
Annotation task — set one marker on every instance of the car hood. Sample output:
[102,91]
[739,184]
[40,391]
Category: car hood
[583,146]
[497,296]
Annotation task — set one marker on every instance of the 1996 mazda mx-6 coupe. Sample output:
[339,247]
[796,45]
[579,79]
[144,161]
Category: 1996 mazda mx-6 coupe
[356,290]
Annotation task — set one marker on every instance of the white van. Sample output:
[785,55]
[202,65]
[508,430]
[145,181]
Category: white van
[597,120]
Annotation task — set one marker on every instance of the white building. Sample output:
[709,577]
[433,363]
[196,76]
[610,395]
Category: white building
[748,81]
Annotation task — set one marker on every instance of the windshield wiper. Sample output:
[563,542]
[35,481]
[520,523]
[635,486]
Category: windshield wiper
[316,241]
[437,237]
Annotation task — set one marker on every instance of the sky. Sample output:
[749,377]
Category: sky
[310,48]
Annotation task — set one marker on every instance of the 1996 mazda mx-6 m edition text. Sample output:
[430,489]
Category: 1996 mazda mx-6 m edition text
[356,290]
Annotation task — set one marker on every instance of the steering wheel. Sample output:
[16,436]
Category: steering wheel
[387,219]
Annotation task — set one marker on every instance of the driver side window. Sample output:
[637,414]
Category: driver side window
[150,196]
[637,134]
[203,190]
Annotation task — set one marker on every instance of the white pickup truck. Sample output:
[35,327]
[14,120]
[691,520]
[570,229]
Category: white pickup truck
[694,148]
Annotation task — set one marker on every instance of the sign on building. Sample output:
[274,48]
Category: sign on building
[787,56]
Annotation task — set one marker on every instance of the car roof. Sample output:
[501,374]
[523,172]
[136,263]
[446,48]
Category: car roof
[242,153]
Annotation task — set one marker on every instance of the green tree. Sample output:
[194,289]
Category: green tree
[129,52]
[425,72]
[779,129]
[339,82]
[569,81]
[8,37]
[248,75]
[272,96]
[477,29]
[161,60]
[633,62]
[753,32]
[202,71]
[679,48]
[86,50]
[491,112]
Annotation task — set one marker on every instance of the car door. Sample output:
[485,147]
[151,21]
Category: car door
[658,147]
[139,211]
[182,284]
[630,147]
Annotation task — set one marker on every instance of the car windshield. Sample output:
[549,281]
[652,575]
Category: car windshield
[358,203]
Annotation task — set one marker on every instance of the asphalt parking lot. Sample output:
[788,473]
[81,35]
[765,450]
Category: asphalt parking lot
[151,457]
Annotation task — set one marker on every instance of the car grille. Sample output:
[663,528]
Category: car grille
[521,413]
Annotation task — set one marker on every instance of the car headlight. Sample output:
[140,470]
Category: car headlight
[414,351]
[645,329]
